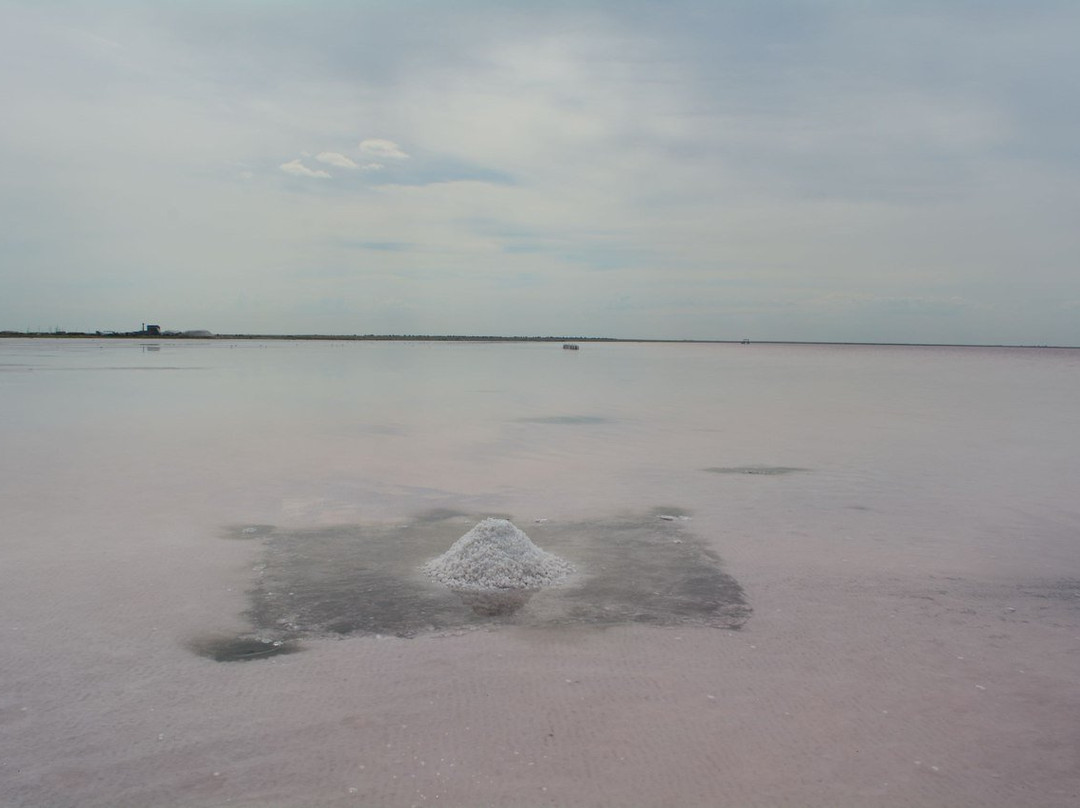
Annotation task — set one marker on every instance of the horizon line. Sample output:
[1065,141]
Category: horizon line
[10,334]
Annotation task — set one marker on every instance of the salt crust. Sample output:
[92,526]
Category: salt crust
[496,554]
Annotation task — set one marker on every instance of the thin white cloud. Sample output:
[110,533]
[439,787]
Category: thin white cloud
[298,169]
[336,159]
[383,149]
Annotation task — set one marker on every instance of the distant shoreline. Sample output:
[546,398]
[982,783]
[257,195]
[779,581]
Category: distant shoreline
[487,338]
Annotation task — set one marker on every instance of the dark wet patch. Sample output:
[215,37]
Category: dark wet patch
[247,531]
[770,471]
[565,419]
[439,514]
[241,649]
[367,579]
[1048,601]
[1066,590]
[673,511]
[355,579]
[652,572]
[446,514]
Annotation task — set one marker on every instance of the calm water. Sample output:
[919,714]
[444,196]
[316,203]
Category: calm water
[157,496]
[310,433]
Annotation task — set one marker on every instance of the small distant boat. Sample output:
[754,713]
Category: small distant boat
[745,341]
[569,346]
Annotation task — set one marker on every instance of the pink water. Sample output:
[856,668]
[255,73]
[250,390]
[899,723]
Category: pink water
[932,518]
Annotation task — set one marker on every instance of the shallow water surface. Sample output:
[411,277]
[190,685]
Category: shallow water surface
[902,521]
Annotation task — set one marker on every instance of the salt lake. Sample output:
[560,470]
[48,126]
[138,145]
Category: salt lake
[811,574]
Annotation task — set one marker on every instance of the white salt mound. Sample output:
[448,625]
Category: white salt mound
[496,554]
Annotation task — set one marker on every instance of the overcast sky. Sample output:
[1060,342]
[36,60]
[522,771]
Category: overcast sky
[849,171]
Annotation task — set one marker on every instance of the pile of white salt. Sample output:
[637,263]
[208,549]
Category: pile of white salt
[496,555]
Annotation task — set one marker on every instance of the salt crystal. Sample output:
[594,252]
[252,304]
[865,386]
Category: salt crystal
[497,555]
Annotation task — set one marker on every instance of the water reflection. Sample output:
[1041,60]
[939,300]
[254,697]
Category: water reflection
[494,602]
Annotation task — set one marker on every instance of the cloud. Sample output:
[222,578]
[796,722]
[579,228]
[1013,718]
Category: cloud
[335,159]
[383,149]
[298,169]
[756,157]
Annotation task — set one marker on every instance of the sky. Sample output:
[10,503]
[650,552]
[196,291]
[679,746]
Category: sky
[770,169]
